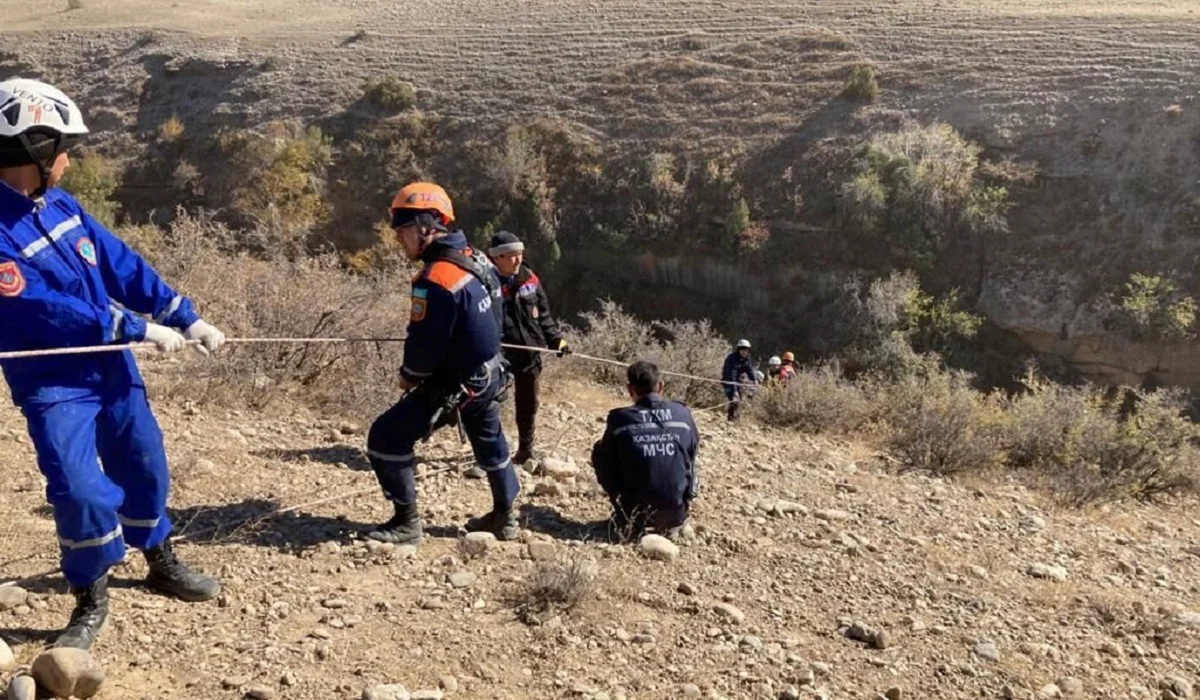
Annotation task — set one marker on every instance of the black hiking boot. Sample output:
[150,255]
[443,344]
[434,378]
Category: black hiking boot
[501,523]
[403,528]
[172,577]
[91,610]
[523,455]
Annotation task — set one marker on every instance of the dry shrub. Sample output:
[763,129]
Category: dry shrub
[692,348]
[1089,446]
[685,347]
[250,296]
[935,420]
[171,131]
[816,400]
[612,333]
[557,585]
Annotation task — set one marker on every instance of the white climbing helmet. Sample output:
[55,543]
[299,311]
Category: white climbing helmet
[743,343]
[29,105]
[775,361]
[37,122]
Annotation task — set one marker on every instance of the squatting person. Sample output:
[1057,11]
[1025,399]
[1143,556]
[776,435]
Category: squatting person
[646,460]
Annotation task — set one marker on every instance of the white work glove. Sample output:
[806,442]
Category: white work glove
[210,338]
[167,339]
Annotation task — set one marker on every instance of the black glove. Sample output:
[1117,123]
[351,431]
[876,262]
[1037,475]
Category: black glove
[563,348]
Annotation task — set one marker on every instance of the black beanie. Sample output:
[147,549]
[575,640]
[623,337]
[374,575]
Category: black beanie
[505,242]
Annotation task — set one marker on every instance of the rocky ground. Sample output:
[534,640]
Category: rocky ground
[816,570]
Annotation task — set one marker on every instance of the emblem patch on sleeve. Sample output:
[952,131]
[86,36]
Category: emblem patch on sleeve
[12,282]
[87,250]
[418,310]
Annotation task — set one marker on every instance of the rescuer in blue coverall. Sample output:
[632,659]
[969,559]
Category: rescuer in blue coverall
[453,368]
[65,280]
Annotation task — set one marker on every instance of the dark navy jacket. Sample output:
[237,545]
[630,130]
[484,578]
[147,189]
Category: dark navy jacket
[66,281]
[737,370]
[647,455]
[454,326]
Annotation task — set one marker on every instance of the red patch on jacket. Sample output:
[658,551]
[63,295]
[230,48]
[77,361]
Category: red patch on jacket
[12,282]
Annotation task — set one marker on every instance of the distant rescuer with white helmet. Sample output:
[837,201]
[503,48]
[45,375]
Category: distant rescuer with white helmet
[452,366]
[738,370]
[527,321]
[65,280]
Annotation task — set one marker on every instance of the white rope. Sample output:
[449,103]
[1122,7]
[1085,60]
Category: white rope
[90,349]
[619,363]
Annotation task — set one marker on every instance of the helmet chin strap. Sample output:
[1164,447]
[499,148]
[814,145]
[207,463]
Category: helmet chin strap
[44,166]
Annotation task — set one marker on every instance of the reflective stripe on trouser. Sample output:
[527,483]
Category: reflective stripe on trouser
[97,511]
[395,433]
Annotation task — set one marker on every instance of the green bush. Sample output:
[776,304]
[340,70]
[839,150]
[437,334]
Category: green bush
[862,84]
[390,93]
[738,220]
[919,189]
[517,171]
[1152,307]
[275,183]
[368,170]
[93,180]
[885,327]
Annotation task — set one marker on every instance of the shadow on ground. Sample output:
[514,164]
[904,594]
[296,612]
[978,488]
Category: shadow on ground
[259,523]
[354,458]
[548,521]
[26,635]
[340,455]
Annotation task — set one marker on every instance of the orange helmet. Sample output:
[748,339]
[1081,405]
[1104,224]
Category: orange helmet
[421,197]
[789,357]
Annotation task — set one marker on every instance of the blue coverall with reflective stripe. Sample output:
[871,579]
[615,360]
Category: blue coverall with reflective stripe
[65,280]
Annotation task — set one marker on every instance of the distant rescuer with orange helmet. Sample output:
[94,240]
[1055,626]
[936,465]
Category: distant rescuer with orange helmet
[788,370]
[452,367]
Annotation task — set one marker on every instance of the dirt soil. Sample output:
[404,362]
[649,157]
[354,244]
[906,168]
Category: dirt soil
[978,590]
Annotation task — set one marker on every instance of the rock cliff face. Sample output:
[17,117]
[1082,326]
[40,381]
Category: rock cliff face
[1118,193]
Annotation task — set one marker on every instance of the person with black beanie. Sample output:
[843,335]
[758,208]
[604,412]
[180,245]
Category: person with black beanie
[527,322]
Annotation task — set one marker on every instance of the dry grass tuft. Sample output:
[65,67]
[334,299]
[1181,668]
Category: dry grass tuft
[557,585]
